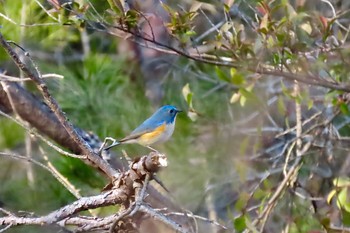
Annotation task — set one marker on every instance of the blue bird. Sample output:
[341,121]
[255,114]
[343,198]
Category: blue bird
[156,129]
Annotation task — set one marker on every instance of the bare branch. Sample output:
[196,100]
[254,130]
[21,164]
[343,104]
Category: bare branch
[112,197]
[122,193]
[8,78]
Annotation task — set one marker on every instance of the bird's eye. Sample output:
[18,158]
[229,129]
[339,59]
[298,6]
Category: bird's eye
[171,111]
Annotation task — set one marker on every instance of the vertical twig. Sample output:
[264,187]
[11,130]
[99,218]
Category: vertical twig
[211,209]
[85,42]
[298,119]
[28,140]
[140,195]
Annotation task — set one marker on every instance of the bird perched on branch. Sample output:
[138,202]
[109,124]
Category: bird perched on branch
[156,129]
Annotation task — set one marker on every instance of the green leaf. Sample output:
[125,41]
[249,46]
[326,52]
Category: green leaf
[235,97]
[188,96]
[325,222]
[310,104]
[246,92]
[240,223]
[270,42]
[286,91]
[221,74]
[190,33]
[264,24]
[132,18]
[117,6]
[281,37]
[276,58]
[250,89]
[259,194]
[342,200]
[331,195]
[341,182]
[346,218]
[233,71]
[330,96]
[244,144]
[344,108]
[193,115]
[281,106]
[242,200]
[226,8]
[236,78]
[306,27]
[242,101]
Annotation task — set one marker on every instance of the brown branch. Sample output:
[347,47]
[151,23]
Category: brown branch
[123,193]
[306,79]
[140,191]
[219,61]
[54,107]
[36,113]
[272,202]
[112,197]
[161,217]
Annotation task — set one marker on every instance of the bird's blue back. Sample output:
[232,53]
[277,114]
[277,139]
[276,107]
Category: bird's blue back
[161,116]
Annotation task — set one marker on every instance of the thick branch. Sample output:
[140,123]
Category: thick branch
[36,113]
[53,105]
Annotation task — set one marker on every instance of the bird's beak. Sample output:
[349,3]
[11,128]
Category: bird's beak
[178,110]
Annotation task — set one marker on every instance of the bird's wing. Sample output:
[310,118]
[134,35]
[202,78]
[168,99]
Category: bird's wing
[146,127]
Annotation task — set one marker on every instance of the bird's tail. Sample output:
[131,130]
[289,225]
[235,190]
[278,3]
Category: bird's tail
[116,143]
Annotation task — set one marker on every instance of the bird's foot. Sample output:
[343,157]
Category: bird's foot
[103,146]
[152,149]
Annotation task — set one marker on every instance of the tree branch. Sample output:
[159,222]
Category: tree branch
[219,60]
[123,193]
[53,105]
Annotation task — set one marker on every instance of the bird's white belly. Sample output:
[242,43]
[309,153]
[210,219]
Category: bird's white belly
[169,130]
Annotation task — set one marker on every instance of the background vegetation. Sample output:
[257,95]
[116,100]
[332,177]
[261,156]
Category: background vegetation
[262,146]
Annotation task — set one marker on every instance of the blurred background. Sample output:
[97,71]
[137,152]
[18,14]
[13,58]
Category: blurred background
[231,145]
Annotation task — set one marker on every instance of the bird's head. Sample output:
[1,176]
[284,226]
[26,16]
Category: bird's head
[167,113]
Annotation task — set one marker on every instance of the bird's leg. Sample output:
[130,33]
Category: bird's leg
[105,142]
[152,149]
[156,179]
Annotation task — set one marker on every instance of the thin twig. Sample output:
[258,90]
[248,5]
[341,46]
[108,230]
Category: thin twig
[161,217]
[28,159]
[278,193]
[49,143]
[5,228]
[197,217]
[298,119]
[63,180]
[8,78]
[46,11]
[6,211]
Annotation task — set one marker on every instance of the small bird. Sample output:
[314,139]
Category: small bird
[156,129]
